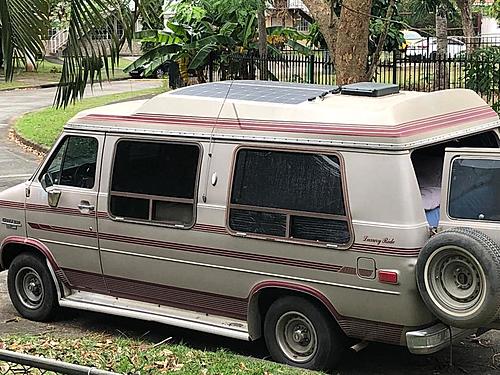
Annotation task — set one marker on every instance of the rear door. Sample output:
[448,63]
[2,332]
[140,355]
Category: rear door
[69,228]
[471,190]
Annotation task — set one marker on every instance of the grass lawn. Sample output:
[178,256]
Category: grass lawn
[44,126]
[131,356]
[48,72]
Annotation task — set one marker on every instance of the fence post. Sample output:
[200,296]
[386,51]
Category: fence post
[394,67]
[310,69]
[210,67]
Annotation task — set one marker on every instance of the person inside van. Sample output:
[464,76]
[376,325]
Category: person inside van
[429,170]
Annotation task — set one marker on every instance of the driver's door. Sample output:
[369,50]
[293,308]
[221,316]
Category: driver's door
[68,225]
[471,190]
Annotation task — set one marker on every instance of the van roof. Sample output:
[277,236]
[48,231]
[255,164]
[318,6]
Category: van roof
[269,111]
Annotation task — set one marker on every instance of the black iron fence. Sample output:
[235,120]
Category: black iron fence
[472,64]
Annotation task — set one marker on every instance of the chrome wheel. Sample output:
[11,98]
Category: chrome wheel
[455,281]
[29,288]
[296,336]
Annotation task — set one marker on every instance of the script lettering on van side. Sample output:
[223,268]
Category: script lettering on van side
[378,241]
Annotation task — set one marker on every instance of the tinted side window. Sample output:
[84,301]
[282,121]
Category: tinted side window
[294,195]
[74,163]
[474,186]
[155,181]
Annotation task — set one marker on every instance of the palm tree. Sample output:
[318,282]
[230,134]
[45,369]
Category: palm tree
[25,23]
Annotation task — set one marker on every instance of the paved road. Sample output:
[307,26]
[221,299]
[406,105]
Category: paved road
[15,165]
[470,356]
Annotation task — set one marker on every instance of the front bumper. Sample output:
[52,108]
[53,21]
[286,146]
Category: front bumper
[434,338]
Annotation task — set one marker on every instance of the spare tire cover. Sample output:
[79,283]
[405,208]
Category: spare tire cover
[458,276]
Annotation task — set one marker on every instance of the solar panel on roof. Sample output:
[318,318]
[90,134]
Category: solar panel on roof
[257,91]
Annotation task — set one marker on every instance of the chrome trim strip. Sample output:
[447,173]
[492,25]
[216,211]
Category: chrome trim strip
[69,244]
[250,271]
[148,316]
[79,125]
[376,224]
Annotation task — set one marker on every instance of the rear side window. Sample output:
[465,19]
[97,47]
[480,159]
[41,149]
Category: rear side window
[155,181]
[474,188]
[293,195]
[74,162]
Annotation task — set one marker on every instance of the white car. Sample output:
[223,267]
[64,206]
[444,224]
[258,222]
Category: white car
[426,48]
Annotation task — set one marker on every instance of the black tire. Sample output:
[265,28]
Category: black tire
[31,288]
[458,276]
[330,341]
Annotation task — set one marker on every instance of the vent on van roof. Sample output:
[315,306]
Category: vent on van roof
[370,89]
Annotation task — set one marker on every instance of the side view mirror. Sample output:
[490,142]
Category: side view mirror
[53,194]
[46,181]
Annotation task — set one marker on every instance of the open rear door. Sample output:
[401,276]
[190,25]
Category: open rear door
[471,190]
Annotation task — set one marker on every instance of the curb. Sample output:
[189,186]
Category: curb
[35,147]
[26,143]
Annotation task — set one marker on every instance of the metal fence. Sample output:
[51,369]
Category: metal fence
[416,69]
[13,363]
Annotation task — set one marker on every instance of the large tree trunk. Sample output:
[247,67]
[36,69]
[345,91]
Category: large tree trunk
[351,54]
[467,24]
[327,20]
[261,21]
[441,71]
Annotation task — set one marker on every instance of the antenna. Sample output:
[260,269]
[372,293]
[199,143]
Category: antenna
[210,145]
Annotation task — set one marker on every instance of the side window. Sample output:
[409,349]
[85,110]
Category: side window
[74,163]
[473,187]
[155,181]
[294,195]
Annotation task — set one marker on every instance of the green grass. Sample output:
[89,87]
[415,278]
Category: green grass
[44,126]
[47,72]
[131,356]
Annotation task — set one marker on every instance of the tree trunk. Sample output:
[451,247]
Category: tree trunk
[380,46]
[327,21]
[261,19]
[351,55]
[441,71]
[467,24]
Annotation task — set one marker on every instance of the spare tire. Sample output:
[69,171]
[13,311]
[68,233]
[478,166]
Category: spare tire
[458,276]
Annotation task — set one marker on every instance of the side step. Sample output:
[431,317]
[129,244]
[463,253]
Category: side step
[218,325]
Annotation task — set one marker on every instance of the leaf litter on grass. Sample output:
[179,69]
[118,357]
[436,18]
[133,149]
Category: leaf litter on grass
[129,356]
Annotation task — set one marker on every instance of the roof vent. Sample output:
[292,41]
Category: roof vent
[370,89]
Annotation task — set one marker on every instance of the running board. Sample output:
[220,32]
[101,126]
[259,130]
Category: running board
[218,325]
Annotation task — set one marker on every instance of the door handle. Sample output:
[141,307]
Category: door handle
[86,207]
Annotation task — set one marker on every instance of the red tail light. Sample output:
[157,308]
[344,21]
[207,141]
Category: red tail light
[388,277]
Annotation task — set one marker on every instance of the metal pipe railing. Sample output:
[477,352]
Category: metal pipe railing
[50,364]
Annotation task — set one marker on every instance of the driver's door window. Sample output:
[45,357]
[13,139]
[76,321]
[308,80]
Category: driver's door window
[74,163]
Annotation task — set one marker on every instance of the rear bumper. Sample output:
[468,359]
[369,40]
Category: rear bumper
[434,338]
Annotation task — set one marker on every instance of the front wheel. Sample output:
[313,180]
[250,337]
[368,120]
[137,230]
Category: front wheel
[31,288]
[299,333]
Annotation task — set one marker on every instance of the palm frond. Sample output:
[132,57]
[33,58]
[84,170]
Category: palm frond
[22,25]
[86,56]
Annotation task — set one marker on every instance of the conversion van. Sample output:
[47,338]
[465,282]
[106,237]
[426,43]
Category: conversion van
[304,214]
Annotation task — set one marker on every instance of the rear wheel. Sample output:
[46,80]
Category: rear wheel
[31,288]
[299,333]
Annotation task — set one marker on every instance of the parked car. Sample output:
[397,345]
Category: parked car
[303,214]
[410,37]
[427,49]
[159,72]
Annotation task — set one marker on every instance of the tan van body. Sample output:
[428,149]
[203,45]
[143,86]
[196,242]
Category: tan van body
[208,276]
